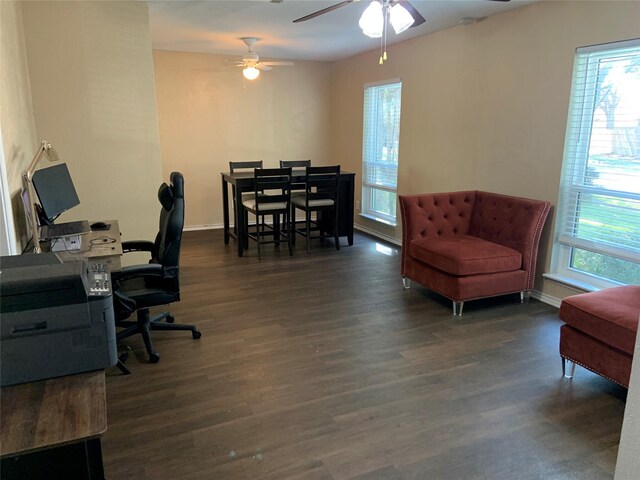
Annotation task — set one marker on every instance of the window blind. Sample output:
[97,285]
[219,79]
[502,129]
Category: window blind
[600,186]
[381,136]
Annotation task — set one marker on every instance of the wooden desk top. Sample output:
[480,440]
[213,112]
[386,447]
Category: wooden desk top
[102,245]
[53,412]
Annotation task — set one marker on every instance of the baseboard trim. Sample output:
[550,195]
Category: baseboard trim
[216,226]
[195,228]
[545,298]
[381,236]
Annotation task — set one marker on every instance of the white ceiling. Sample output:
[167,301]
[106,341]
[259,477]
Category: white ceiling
[216,26]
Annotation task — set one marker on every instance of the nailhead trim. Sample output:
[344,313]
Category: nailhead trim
[594,371]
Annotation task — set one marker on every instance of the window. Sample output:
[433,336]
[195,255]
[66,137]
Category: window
[380,151]
[597,238]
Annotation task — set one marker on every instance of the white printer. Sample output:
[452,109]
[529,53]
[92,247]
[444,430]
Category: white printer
[56,318]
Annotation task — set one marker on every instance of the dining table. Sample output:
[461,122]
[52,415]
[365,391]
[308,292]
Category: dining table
[244,182]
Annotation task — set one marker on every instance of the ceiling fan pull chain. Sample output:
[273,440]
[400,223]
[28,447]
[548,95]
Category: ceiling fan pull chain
[386,28]
[383,38]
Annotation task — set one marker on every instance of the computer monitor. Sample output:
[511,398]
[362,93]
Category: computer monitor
[55,190]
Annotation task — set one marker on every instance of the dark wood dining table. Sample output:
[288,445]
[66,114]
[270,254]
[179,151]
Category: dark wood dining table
[244,182]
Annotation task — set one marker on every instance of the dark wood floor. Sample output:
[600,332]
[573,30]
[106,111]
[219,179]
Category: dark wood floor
[321,366]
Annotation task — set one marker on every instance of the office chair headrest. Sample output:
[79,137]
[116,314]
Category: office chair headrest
[165,195]
[177,182]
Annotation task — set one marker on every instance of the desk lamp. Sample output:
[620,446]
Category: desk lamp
[47,150]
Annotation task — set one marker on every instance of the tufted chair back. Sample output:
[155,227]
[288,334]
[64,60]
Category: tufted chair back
[433,214]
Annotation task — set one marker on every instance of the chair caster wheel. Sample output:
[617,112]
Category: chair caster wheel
[154,358]
[170,319]
[196,334]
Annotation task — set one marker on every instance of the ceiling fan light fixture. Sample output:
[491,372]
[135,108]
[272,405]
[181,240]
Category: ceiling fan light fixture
[251,73]
[372,20]
[400,18]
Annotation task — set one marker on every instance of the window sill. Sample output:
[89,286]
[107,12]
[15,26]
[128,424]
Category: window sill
[579,284]
[377,219]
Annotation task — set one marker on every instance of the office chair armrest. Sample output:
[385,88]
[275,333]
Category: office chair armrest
[148,270]
[171,272]
[137,246]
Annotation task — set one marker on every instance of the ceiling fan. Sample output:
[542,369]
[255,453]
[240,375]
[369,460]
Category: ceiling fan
[251,64]
[375,18]
[418,19]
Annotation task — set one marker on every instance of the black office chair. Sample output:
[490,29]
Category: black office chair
[138,288]
[321,196]
[272,196]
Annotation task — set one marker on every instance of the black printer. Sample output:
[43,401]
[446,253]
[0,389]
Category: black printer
[56,318]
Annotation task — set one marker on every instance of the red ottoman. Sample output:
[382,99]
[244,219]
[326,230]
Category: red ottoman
[600,331]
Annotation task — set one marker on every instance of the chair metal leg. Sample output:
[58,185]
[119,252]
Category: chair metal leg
[572,368]
[121,366]
[122,357]
[457,308]
[524,296]
[195,333]
[154,356]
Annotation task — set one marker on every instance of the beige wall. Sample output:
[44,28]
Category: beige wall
[91,72]
[16,110]
[485,105]
[209,116]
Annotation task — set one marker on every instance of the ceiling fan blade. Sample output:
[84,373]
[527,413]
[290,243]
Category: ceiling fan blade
[419,19]
[263,67]
[278,64]
[323,11]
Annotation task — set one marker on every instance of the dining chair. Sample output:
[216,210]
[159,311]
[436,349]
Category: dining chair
[235,167]
[272,196]
[297,189]
[321,195]
[295,163]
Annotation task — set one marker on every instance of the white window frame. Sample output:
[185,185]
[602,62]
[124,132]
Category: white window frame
[572,181]
[367,186]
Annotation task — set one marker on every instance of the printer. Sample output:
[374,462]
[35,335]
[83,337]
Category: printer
[55,318]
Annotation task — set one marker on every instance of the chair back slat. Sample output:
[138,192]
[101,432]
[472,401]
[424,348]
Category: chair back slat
[322,182]
[235,166]
[272,180]
[295,163]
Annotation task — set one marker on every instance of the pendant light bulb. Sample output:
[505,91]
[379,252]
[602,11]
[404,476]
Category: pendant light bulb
[251,73]
[400,18]
[372,20]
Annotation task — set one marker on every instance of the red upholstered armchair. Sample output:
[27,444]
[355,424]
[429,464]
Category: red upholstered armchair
[471,245]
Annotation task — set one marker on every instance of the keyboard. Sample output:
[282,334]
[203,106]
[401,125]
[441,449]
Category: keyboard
[68,229]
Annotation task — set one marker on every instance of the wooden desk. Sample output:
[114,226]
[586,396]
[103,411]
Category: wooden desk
[54,424]
[244,182]
[104,245]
